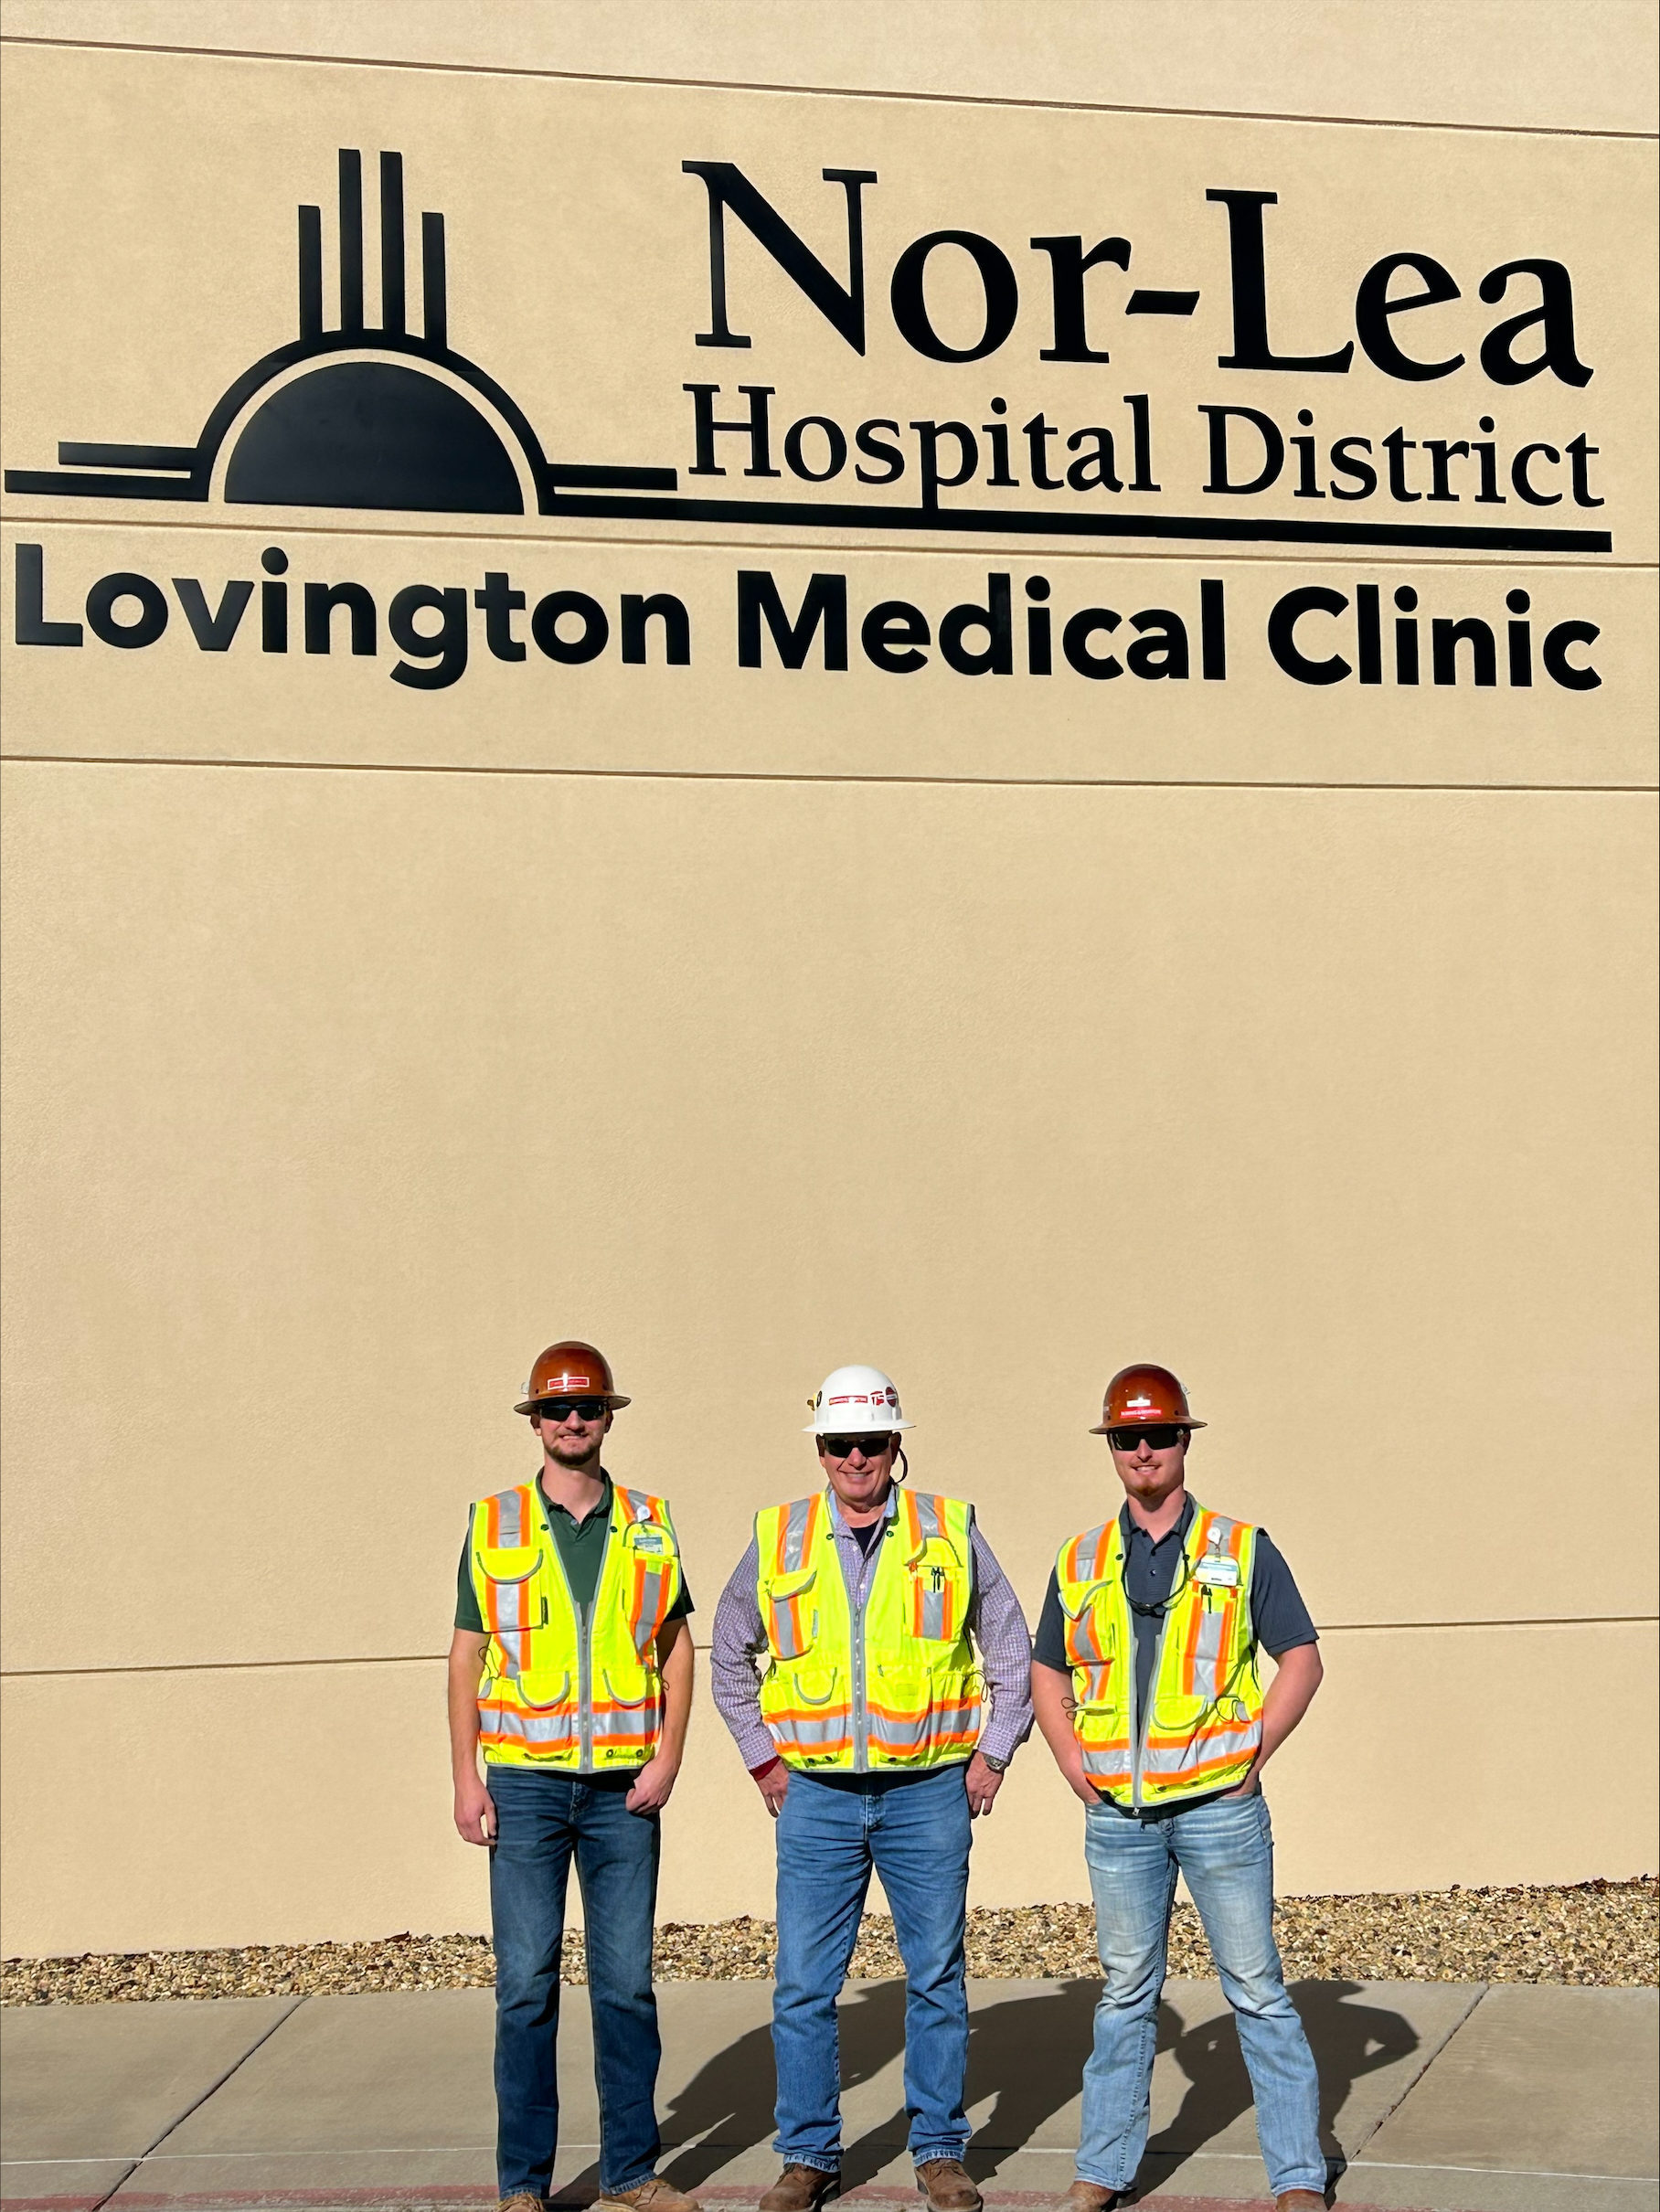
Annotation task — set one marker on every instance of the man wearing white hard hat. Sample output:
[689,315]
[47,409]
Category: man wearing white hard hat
[844,1661]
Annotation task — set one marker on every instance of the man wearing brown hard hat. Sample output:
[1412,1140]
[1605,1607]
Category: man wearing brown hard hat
[1146,1690]
[571,1668]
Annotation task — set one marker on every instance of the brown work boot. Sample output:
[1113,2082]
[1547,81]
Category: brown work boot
[651,2195]
[945,2183]
[1300,2200]
[1087,2196]
[522,2200]
[798,2189]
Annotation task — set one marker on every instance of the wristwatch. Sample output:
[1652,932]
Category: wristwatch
[997,1766]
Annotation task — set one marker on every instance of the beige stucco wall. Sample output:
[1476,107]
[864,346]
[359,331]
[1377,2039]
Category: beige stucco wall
[359,1040]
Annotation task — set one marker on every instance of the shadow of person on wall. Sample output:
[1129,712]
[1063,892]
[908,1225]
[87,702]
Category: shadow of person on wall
[727,2106]
[1348,2041]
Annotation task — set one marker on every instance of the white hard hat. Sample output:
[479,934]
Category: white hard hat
[853,1401]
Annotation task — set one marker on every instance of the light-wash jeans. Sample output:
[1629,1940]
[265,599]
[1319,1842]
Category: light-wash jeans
[1224,1851]
[915,1831]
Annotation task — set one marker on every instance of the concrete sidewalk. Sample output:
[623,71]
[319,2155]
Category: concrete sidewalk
[1441,2096]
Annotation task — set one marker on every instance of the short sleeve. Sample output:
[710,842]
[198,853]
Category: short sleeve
[683,1603]
[467,1616]
[1049,1644]
[1279,1618]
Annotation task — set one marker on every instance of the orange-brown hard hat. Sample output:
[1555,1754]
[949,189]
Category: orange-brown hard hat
[569,1370]
[1140,1396]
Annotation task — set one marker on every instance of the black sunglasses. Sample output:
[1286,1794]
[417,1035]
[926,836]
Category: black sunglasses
[840,1447]
[562,1409]
[1159,1437]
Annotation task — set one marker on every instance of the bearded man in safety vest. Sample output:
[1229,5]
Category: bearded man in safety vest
[1147,1692]
[844,1662]
[571,1668]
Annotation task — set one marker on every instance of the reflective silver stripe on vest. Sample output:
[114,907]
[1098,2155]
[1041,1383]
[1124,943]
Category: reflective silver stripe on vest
[1207,1652]
[510,1642]
[625,1721]
[1202,1749]
[927,1516]
[1108,1758]
[510,1521]
[933,1613]
[534,1727]
[809,1735]
[796,1518]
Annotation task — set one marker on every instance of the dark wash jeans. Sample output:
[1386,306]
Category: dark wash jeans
[543,1821]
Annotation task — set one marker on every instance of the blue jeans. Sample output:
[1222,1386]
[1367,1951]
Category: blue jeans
[543,1821]
[915,1831]
[1225,1849]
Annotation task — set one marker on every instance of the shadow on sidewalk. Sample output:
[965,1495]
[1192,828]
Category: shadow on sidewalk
[1027,2053]
[1348,2041]
[729,2102]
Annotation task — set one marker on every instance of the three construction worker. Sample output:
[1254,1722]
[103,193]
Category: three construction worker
[873,1665]
[844,1662]
[571,1668]
[1146,1690]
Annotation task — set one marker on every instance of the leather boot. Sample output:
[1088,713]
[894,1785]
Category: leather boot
[1087,2196]
[945,2183]
[799,2188]
[651,2195]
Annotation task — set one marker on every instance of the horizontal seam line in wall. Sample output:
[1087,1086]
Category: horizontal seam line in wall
[224,1666]
[767,775]
[822,91]
[1061,548]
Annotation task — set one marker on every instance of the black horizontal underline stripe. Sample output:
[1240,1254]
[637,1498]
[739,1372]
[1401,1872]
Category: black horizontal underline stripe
[1031,521]
[1020,522]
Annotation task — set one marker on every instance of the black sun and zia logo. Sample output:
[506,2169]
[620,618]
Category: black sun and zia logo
[358,415]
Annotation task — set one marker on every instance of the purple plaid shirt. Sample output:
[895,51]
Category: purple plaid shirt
[995,1620]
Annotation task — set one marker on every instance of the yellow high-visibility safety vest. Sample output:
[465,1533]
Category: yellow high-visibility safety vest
[1205,1720]
[904,1690]
[562,1687]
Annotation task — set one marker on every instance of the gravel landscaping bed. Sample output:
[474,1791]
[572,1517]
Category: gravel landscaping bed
[1596,1933]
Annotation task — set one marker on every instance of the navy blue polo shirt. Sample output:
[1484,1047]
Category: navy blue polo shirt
[1278,1619]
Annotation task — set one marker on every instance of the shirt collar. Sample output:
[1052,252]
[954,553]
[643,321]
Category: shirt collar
[839,1527]
[1132,1529]
[602,1512]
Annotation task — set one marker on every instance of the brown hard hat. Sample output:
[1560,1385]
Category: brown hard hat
[1140,1396]
[569,1370]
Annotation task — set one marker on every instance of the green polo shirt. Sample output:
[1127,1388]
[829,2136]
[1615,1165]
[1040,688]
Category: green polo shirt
[582,1548]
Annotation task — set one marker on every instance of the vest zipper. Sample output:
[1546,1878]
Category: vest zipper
[1139,1719]
[583,1615]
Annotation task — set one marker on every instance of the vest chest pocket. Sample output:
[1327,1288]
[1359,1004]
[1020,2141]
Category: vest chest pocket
[510,1595]
[939,1594]
[792,1614]
[1088,1631]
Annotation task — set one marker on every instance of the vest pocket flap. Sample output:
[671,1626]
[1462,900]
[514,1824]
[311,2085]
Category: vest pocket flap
[543,1689]
[516,1563]
[636,1689]
[814,1686]
[1075,1597]
[781,1588]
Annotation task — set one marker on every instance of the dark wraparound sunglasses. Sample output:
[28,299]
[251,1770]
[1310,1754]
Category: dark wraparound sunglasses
[562,1409]
[842,1447]
[1158,1436]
